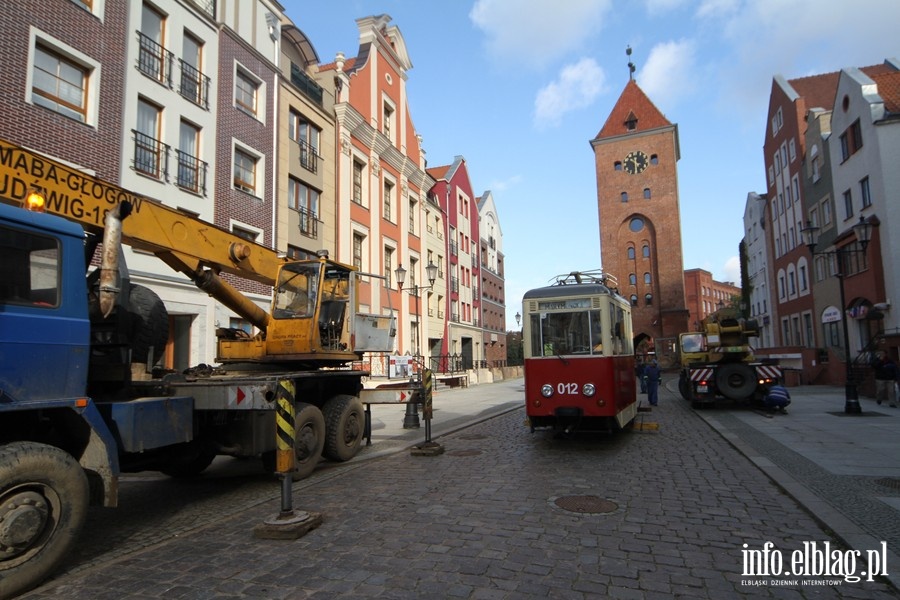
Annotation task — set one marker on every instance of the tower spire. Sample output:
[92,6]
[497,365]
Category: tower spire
[630,64]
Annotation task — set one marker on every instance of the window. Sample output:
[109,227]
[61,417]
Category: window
[388,212]
[632,279]
[305,200]
[30,270]
[647,279]
[803,283]
[648,299]
[624,196]
[865,192]
[246,91]
[358,243]
[388,266]
[636,224]
[191,174]
[244,232]
[654,159]
[777,121]
[848,204]
[645,251]
[149,152]
[646,193]
[617,166]
[60,84]
[851,140]
[814,163]
[387,120]
[85,4]
[357,181]
[194,84]
[792,150]
[634,299]
[413,213]
[153,58]
[630,252]
[307,136]
[244,171]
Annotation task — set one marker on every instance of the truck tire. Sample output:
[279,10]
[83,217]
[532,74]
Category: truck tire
[309,439]
[150,324]
[736,381]
[44,497]
[345,421]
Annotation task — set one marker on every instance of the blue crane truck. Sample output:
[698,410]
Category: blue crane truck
[82,396]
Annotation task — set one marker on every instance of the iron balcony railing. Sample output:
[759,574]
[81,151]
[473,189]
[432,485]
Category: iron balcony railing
[194,85]
[309,159]
[154,61]
[191,173]
[151,156]
[309,223]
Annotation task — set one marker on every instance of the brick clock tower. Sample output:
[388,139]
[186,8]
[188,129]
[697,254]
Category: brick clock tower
[635,155]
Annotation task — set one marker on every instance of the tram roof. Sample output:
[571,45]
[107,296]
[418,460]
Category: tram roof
[568,289]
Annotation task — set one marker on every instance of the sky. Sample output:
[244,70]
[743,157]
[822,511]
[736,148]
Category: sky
[520,87]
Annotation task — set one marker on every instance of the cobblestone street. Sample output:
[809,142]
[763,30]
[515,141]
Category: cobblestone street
[503,513]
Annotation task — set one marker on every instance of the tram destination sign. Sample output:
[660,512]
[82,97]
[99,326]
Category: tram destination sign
[565,304]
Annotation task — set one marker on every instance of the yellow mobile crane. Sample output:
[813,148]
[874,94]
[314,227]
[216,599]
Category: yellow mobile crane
[80,401]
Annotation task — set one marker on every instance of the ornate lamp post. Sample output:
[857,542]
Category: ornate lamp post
[863,232]
[411,420]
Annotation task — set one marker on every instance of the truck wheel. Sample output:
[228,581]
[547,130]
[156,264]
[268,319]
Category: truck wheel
[43,504]
[150,324]
[736,381]
[345,421]
[309,439]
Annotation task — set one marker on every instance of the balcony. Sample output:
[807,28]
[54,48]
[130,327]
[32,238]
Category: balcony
[194,85]
[309,159]
[191,173]
[306,85]
[151,156]
[309,223]
[154,61]
[207,6]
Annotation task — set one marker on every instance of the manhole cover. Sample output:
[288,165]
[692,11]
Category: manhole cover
[889,482]
[472,436]
[586,504]
[464,453]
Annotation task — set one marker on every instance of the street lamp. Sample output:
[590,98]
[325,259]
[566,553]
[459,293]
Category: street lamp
[411,420]
[863,232]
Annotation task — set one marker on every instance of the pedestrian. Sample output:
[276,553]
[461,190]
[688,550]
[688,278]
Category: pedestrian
[886,376]
[652,376]
[639,372]
[777,398]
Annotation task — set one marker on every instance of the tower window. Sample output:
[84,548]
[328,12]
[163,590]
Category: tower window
[630,252]
[646,251]
[624,196]
[654,159]
[617,165]
[647,193]
[636,224]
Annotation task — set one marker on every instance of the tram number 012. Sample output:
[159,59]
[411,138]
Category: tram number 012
[570,389]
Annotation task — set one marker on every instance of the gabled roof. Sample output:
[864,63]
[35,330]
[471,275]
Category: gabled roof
[889,90]
[819,90]
[633,105]
[439,173]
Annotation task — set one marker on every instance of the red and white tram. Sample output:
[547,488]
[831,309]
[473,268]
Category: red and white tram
[579,355]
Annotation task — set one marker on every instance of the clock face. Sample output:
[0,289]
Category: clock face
[635,162]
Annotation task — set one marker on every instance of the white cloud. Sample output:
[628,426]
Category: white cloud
[502,185]
[536,32]
[670,72]
[794,38]
[576,87]
[732,270]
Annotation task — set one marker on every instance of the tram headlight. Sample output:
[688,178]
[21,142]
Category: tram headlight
[588,389]
[546,390]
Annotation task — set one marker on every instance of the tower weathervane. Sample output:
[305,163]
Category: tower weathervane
[630,64]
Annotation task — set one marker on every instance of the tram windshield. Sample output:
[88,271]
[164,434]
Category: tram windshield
[553,334]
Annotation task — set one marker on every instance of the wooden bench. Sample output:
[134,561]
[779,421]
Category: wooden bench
[453,379]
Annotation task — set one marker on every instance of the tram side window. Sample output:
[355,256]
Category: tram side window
[620,341]
[29,271]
